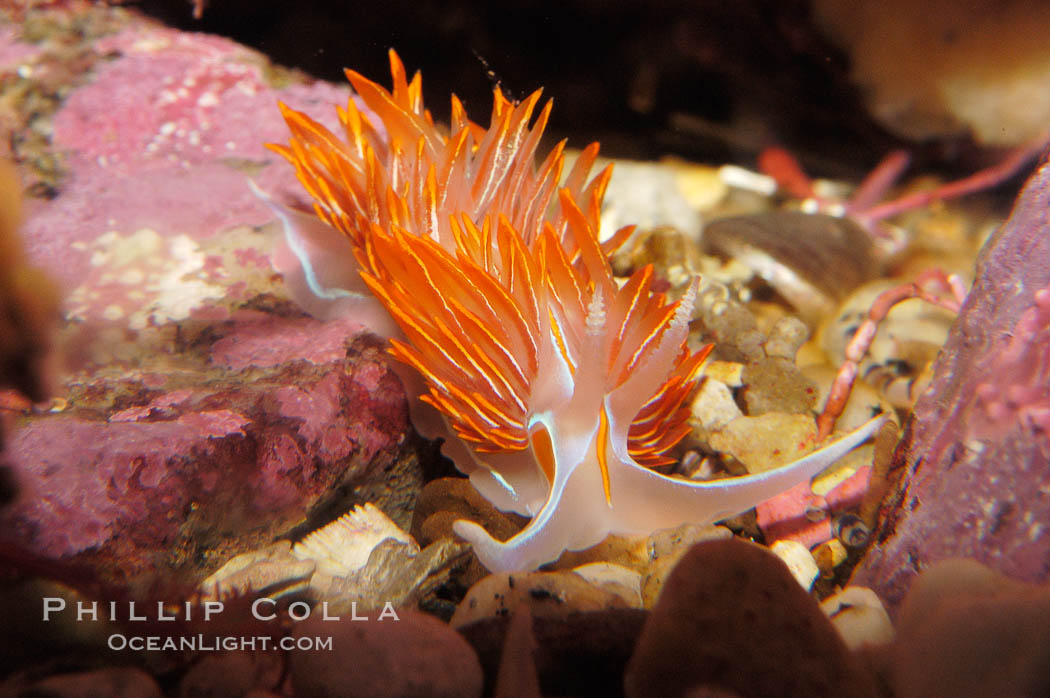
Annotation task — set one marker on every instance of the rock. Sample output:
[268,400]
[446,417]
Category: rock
[546,594]
[417,655]
[114,682]
[28,303]
[648,195]
[774,384]
[666,548]
[713,407]
[797,514]
[576,654]
[829,555]
[517,677]
[810,513]
[232,674]
[767,441]
[974,464]
[859,617]
[929,73]
[621,581]
[627,551]
[205,416]
[967,631]
[731,617]
[785,338]
[177,476]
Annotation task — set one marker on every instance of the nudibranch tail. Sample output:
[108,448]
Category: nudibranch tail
[643,500]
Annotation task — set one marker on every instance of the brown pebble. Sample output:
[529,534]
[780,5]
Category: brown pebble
[966,631]
[581,654]
[114,682]
[415,655]
[732,617]
[232,674]
[517,676]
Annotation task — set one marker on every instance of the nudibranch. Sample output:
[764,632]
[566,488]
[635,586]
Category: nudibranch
[559,388]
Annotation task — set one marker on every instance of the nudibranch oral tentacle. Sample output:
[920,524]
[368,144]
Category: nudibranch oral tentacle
[558,387]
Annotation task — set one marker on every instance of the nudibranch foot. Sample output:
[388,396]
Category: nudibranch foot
[641,501]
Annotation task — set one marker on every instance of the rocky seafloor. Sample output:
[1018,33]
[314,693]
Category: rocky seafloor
[198,438]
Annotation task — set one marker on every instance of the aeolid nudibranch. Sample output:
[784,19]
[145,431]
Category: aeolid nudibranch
[557,387]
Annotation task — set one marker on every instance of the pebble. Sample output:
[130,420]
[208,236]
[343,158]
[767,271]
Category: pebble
[546,593]
[729,372]
[416,655]
[859,617]
[617,579]
[444,501]
[667,547]
[517,677]
[775,384]
[767,441]
[829,555]
[967,631]
[799,560]
[231,674]
[113,682]
[713,407]
[732,618]
[786,337]
[626,551]
[579,654]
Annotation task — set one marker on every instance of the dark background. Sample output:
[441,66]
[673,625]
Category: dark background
[708,80]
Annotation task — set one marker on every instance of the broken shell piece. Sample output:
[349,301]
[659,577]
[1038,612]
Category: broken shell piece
[271,571]
[812,260]
[343,546]
[360,561]
[396,573]
[365,560]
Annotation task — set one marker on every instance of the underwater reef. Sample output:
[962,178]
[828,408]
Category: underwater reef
[190,442]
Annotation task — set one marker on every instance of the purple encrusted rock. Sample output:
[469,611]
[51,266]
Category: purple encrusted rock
[200,412]
[171,475]
[975,464]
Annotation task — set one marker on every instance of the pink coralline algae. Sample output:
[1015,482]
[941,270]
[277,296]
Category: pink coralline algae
[202,413]
[974,466]
[163,136]
[1021,388]
[233,460]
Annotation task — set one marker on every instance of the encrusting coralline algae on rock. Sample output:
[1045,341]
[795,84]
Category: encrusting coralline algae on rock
[975,464]
[202,415]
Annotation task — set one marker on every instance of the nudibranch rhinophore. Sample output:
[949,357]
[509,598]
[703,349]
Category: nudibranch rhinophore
[558,388]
